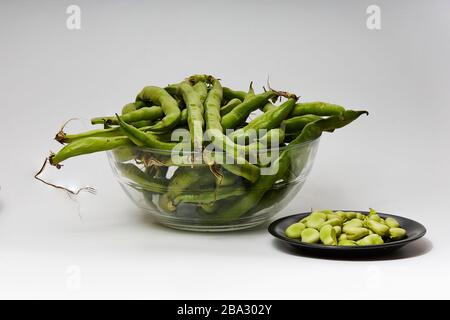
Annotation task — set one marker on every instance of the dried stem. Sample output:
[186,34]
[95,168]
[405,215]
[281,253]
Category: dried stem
[36,176]
[285,94]
[61,135]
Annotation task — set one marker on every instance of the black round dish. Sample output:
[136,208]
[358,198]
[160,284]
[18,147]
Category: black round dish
[414,231]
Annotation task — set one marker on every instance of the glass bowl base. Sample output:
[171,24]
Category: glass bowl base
[188,225]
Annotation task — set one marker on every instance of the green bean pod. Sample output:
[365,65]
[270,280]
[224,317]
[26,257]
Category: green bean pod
[206,197]
[296,124]
[273,137]
[195,120]
[269,120]
[265,182]
[183,179]
[314,129]
[317,108]
[250,93]
[201,89]
[142,180]
[229,106]
[214,130]
[196,78]
[246,202]
[129,108]
[238,115]
[229,94]
[64,138]
[145,113]
[168,104]
[133,106]
[142,139]
[184,117]
[88,145]
[269,106]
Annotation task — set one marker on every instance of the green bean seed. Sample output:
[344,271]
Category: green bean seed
[353,223]
[355,233]
[315,221]
[310,235]
[360,216]
[391,222]
[303,220]
[342,215]
[328,235]
[332,216]
[350,215]
[375,217]
[372,239]
[294,231]
[318,214]
[377,227]
[397,233]
[342,237]
[345,242]
[333,222]
[338,230]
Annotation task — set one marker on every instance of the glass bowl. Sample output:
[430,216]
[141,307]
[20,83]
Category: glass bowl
[202,197]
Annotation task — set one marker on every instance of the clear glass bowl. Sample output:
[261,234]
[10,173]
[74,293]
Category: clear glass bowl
[200,205]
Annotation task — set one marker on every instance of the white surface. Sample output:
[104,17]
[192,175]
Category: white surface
[395,160]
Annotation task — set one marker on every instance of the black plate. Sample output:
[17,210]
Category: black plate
[414,231]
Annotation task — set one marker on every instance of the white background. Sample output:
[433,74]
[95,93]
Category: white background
[396,160]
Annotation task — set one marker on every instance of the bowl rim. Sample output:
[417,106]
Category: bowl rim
[168,152]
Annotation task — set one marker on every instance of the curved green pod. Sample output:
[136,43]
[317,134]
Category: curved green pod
[142,139]
[88,145]
[238,115]
[169,106]
[145,113]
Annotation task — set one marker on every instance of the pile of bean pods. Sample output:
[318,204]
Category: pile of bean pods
[344,228]
[203,107]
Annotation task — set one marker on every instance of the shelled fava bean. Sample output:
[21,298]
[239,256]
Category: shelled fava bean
[344,228]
